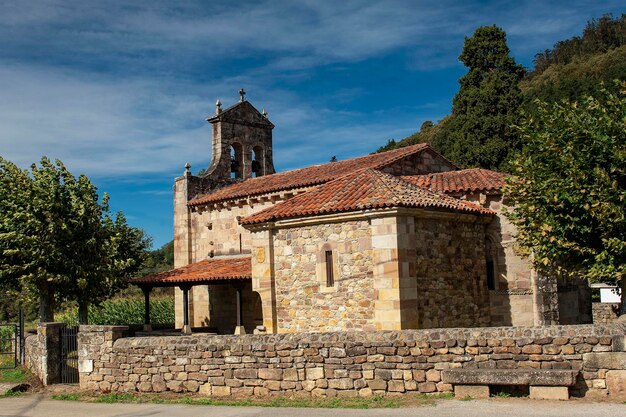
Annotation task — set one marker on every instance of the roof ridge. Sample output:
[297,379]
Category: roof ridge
[365,189]
[261,185]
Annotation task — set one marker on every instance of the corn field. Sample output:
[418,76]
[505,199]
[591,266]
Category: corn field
[124,311]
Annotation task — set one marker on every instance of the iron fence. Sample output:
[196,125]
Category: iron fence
[69,355]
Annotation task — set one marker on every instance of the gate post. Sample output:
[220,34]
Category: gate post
[49,337]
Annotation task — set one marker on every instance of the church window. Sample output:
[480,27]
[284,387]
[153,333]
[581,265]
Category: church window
[330,278]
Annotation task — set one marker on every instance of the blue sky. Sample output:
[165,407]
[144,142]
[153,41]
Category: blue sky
[120,90]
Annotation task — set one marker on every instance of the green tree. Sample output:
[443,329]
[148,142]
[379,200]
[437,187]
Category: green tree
[58,242]
[479,131]
[159,260]
[569,188]
[32,209]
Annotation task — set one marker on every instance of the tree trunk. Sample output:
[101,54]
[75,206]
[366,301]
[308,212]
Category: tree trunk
[622,309]
[46,304]
[83,312]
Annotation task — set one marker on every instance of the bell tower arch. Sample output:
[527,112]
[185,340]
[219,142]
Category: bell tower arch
[242,142]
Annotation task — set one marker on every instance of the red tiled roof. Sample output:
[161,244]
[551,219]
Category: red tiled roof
[304,177]
[365,189]
[205,271]
[475,179]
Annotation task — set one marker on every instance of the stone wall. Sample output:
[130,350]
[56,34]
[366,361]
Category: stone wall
[305,303]
[33,352]
[604,313]
[213,231]
[343,364]
[42,352]
[451,274]
[512,299]
[394,270]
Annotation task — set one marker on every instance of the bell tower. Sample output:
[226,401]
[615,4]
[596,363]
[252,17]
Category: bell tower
[242,142]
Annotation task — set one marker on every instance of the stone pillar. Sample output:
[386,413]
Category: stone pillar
[263,276]
[199,302]
[95,344]
[546,299]
[186,187]
[395,282]
[182,238]
[49,339]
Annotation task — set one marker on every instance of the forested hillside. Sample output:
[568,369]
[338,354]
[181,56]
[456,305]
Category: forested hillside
[572,69]
[578,66]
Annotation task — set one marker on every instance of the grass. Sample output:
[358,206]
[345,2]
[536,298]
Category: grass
[467,398]
[66,397]
[376,401]
[14,375]
[116,398]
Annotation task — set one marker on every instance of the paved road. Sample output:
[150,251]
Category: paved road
[38,406]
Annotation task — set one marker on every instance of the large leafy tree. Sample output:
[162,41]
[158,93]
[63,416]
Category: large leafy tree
[569,188]
[58,240]
[479,131]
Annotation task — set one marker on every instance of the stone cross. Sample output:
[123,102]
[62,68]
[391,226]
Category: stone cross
[242,94]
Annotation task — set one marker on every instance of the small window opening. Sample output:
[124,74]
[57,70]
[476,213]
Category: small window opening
[491,276]
[330,278]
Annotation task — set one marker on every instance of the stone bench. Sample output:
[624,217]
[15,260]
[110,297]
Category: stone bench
[551,384]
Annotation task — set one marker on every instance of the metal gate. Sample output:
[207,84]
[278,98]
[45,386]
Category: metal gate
[69,355]
[9,345]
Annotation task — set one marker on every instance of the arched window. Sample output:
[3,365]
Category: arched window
[236,160]
[258,168]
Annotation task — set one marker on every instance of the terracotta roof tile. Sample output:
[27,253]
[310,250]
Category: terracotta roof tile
[304,177]
[205,271]
[364,189]
[475,179]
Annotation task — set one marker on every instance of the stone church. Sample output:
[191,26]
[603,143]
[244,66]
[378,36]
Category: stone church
[396,240]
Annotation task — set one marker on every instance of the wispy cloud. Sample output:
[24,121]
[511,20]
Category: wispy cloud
[118,88]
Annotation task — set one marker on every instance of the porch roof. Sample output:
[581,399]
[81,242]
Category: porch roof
[207,271]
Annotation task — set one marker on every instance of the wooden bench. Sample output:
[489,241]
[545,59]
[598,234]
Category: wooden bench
[549,384]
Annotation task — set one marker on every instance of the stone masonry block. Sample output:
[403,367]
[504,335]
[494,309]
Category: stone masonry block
[616,384]
[549,393]
[85,366]
[273,374]
[314,373]
[220,391]
[605,360]
[473,391]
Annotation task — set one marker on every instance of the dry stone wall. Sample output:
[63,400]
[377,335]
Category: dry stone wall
[604,313]
[343,364]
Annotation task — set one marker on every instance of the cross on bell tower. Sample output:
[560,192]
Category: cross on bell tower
[242,94]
